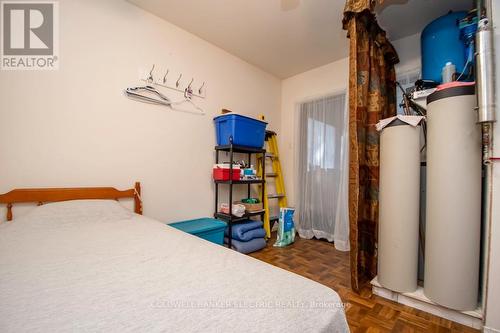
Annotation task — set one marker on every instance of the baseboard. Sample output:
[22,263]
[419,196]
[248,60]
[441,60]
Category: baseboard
[487,329]
[418,300]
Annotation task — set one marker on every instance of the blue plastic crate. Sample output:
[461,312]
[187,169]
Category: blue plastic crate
[244,131]
[209,229]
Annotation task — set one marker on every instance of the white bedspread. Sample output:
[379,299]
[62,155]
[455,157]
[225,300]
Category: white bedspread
[91,266]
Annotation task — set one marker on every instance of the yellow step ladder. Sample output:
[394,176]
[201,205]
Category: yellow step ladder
[272,153]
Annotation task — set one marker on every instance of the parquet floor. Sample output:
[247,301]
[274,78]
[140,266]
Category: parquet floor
[318,260]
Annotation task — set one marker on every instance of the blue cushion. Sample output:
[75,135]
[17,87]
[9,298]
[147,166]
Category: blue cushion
[253,245]
[246,231]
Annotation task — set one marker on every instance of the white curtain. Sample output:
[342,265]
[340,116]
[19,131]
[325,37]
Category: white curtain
[323,171]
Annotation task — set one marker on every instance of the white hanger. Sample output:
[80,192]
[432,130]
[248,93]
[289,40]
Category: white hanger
[187,99]
[135,93]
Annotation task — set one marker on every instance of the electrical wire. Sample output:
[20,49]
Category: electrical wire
[409,104]
[406,107]
[466,66]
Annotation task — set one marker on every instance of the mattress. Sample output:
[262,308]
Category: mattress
[91,265]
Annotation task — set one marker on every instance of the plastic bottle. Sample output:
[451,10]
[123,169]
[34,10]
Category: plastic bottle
[447,73]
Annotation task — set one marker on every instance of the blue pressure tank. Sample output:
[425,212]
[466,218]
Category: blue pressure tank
[440,43]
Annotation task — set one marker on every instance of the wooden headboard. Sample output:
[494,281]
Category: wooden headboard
[43,195]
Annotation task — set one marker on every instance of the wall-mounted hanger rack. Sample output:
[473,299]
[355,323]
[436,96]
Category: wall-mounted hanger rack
[188,91]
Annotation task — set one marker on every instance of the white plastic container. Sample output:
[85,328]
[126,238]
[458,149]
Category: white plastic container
[447,73]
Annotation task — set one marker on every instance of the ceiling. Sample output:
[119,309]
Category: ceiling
[288,37]
[402,18]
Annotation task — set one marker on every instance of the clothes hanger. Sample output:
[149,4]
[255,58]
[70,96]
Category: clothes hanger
[135,93]
[150,89]
[146,99]
[188,99]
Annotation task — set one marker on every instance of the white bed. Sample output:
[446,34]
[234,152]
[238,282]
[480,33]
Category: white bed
[91,265]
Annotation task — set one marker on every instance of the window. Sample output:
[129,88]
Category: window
[321,144]
[322,124]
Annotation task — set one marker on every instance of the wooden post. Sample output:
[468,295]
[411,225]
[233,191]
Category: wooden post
[9,212]
[137,199]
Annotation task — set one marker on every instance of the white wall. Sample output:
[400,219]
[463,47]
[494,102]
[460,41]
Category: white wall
[408,49]
[74,126]
[493,289]
[321,81]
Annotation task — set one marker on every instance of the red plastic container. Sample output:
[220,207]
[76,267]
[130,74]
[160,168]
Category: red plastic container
[223,174]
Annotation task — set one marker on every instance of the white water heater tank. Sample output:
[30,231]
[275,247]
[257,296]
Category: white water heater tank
[399,193]
[453,202]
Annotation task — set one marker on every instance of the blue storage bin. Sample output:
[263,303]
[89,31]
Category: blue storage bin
[209,229]
[244,131]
